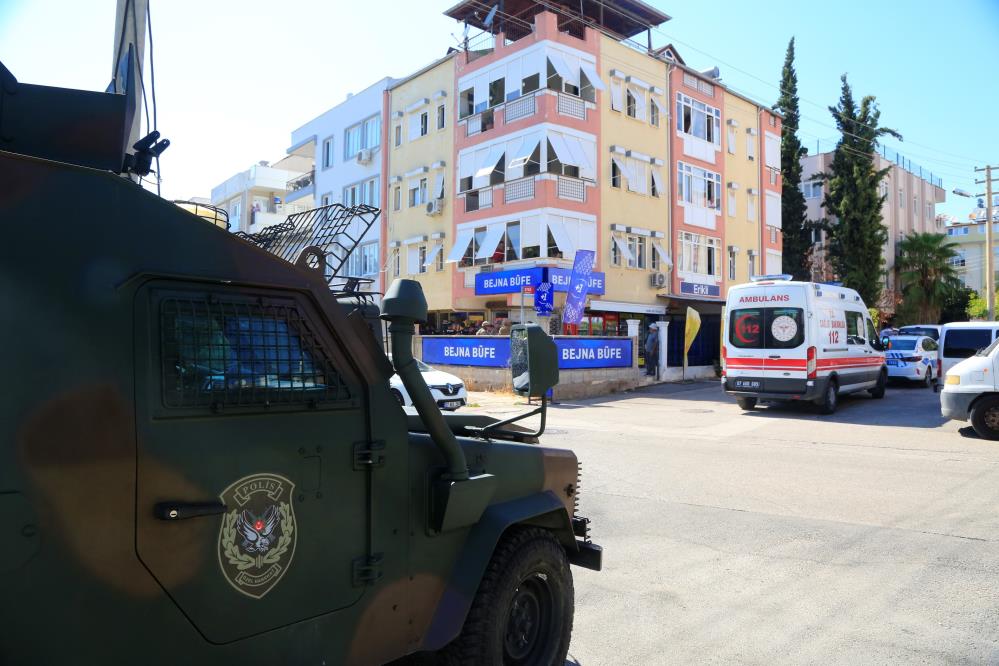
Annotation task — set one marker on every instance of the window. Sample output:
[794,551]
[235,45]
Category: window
[422,259]
[752,265]
[640,251]
[731,265]
[773,234]
[699,254]
[365,192]
[915,205]
[398,135]
[218,351]
[530,83]
[615,252]
[854,328]
[750,147]
[653,112]
[772,120]
[234,212]
[424,123]
[766,328]
[441,120]
[751,207]
[423,191]
[439,261]
[507,246]
[730,140]
[698,186]
[396,198]
[328,153]
[964,342]
[773,175]
[466,103]
[363,261]
[615,175]
[731,202]
[653,189]
[553,249]
[327,199]
[497,92]
[629,103]
[929,211]
[901,198]
[414,194]
[812,189]
[697,119]
[351,142]
[616,97]
[396,262]
[365,134]
[653,257]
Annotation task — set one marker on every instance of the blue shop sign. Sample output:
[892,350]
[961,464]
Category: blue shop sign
[479,350]
[698,289]
[593,353]
[511,282]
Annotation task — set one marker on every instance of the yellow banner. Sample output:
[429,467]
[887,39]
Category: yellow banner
[690,329]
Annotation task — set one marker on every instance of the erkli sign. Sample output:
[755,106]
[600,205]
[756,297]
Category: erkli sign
[698,289]
[494,352]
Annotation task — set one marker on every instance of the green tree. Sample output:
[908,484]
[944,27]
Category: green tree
[926,276]
[796,231]
[955,307]
[978,307]
[857,236]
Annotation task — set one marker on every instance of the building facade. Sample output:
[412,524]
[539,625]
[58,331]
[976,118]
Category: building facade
[911,196]
[969,240]
[257,198]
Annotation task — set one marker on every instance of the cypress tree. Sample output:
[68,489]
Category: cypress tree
[796,231]
[857,237]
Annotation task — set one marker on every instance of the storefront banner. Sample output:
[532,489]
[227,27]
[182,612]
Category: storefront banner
[494,352]
[575,302]
[593,353]
[698,289]
[479,350]
[511,282]
[544,299]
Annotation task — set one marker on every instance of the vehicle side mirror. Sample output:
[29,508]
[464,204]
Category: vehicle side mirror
[882,344]
[533,360]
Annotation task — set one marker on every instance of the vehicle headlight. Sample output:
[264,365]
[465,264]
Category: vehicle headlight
[953,379]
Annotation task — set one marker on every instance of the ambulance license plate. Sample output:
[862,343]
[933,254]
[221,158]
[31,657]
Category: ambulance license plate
[893,363]
[747,383]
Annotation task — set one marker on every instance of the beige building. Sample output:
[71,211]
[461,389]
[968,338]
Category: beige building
[420,176]
[912,194]
[969,237]
[744,256]
[256,198]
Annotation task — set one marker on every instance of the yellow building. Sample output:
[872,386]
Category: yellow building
[741,141]
[634,181]
[420,177]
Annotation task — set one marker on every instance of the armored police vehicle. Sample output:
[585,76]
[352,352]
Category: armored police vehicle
[201,460]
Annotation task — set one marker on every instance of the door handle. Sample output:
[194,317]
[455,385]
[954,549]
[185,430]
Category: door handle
[775,356]
[183,510]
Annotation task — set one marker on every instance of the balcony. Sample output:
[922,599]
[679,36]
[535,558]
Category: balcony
[479,199]
[521,189]
[574,107]
[301,186]
[573,189]
[521,107]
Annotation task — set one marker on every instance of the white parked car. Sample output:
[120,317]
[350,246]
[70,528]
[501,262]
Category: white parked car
[912,357]
[448,390]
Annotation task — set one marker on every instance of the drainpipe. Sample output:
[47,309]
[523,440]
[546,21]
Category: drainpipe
[403,306]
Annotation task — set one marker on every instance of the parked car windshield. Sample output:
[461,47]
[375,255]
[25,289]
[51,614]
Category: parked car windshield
[965,342]
[920,330]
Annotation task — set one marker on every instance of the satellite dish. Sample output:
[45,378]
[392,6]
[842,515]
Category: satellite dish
[490,16]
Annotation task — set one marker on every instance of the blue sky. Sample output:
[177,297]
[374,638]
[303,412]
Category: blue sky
[235,77]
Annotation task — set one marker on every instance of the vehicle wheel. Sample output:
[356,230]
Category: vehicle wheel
[522,612]
[828,402]
[878,391]
[928,382]
[746,404]
[985,417]
[398,396]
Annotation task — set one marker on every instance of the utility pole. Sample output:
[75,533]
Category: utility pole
[990,279]
[130,29]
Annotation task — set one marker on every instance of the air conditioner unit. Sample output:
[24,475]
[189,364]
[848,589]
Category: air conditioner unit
[435,207]
[364,156]
[657,280]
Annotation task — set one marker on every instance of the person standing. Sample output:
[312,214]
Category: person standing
[504,328]
[652,349]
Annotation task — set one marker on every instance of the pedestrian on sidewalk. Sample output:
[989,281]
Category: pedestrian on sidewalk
[652,349]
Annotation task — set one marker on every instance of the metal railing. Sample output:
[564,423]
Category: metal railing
[571,106]
[573,189]
[521,107]
[302,181]
[519,190]
[473,125]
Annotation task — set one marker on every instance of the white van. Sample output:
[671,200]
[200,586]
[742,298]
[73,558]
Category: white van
[961,340]
[971,391]
[787,340]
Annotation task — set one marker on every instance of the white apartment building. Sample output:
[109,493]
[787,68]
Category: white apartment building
[257,198]
[345,146]
[910,207]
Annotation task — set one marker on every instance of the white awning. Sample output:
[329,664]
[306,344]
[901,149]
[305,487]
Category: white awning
[517,159]
[494,234]
[557,227]
[466,164]
[659,105]
[561,148]
[489,160]
[578,151]
[461,242]
[617,96]
[530,231]
[657,180]
[568,74]
[623,167]
[534,63]
[622,247]
[663,255]
[481,91]
[432,254]
[591,74]
[439,186]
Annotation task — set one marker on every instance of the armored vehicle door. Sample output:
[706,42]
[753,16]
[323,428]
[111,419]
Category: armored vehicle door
[249,513]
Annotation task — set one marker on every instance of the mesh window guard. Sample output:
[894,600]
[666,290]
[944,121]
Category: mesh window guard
[219,353]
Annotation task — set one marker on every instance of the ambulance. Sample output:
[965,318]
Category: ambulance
[788,340]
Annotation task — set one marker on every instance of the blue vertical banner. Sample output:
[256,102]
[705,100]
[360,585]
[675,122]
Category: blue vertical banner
[544,299]
[579,281]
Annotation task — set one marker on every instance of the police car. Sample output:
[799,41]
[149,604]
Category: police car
[912,357]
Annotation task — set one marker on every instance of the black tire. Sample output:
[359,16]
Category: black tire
[985,417]
[928,381]
[830,400]
[398,396]
[746,404]
[878,391]
[522,612]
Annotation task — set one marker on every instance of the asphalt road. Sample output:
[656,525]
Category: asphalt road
[781,536]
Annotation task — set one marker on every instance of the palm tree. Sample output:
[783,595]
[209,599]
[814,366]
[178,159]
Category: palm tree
[926,276]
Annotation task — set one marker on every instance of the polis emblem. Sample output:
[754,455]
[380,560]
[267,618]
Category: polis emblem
[257,537]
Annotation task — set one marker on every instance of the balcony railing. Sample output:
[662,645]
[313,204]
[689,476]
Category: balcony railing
[571,106]
[573,189]
[301,182]
[521,107]
[519,190]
